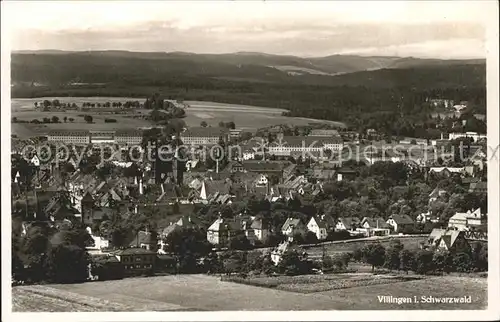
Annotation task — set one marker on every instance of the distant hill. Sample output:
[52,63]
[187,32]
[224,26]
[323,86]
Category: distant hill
[56,67]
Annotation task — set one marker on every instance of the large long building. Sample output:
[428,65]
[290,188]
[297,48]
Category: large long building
[69,137]
[84,137]
[288,144]
[204,135]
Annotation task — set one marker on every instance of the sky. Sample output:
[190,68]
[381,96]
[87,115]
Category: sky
[437,29]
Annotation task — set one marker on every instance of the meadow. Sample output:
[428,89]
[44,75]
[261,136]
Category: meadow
[201,292]
[245,117]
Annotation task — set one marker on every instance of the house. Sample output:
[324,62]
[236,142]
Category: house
[305,144]
[259,230]
[204,135]
[292,227]
[69,137]
[100,242]
[102,137]
[435,194]
[277,253]
[400,223]
[426,217]
[344,173]
[480,187]
[448,240]
[468,220]
[320,226]
[473,135]
[347,223]
[128,136]
[136,261]
[324,132]
[146,240]
[374,227]
[222,231]
[447,171]
[234,166]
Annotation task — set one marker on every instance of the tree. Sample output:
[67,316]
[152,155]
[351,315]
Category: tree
[392,259]
[240,242]
[71,119]
[65,119]
[423,262]
[374,254]
[311,238]
[55,119]
[439,261]
[68,264]
[462,262]
[294,263]
[221,124]
[88,118]
[14,119]
[203,124]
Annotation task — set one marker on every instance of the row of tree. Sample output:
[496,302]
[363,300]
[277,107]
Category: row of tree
[424,261]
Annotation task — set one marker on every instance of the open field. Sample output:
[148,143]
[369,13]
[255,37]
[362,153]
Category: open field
[245,117]
[321,283]
[200,292]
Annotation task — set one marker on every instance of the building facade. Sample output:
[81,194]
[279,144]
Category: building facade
[69,137]
[204,135]
[128,137]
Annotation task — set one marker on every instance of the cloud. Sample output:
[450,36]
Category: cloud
[321,28]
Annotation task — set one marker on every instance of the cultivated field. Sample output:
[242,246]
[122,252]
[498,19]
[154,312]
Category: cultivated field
[200,292]
[245,117]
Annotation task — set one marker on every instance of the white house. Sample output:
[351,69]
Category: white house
[248,155]
[291,227]
[35,161]
[319,227]
[467,220]
[260,230]
[347,223]
[400,222]
[277,253]
[262,180]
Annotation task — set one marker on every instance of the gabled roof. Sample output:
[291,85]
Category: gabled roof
[134,251]
[291,222]
[143,237]
[402,219]
[478,186]
[259,224]
[265,166]
[375,222]
[450,237]
[349,221]
[222,224]
[205,132]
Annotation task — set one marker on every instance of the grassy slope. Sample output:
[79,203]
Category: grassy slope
[208,293]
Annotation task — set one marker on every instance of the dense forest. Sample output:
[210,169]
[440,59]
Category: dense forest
[389,95]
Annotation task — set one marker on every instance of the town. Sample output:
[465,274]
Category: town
[230,158]
[101,205]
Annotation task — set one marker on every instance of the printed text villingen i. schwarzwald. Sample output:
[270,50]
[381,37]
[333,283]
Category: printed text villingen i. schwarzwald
[389,299]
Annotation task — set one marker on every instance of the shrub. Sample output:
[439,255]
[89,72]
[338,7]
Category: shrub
[110,121]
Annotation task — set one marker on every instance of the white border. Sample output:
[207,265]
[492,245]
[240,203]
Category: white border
[492,313]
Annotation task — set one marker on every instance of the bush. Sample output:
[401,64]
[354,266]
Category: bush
[110,121]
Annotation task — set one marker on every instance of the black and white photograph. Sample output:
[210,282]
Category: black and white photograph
[224,160]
